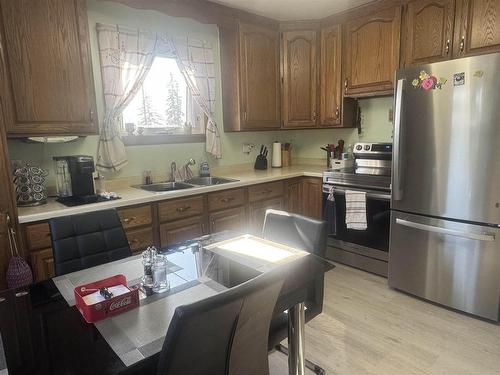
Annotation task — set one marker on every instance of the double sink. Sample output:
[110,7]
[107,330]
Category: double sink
[161,187]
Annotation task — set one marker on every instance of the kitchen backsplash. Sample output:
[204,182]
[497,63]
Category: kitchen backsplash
[376,127]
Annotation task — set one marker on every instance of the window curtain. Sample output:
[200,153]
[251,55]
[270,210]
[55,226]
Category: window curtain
[196,61]
[126,57]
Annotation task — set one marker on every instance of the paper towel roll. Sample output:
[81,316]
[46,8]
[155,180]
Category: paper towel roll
[276,162]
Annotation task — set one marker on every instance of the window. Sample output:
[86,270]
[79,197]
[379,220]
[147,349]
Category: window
[163,108]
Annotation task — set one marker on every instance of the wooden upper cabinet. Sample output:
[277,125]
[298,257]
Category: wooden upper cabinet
[477,25]
[299,78]
[330,76]
[48,78]
[372,53]
[259,77]
[428,35]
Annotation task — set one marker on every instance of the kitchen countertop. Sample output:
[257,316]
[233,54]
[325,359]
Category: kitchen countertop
[133,196]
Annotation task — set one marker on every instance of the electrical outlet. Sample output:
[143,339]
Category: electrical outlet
[247,148]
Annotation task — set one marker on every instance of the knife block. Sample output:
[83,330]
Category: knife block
[260,162]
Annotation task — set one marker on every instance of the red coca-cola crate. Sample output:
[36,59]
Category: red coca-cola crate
[110,307]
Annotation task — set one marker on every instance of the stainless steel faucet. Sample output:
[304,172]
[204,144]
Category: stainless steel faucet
[173,170]
[187,171]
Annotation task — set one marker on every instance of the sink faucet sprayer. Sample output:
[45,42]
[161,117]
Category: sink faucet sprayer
[173,171]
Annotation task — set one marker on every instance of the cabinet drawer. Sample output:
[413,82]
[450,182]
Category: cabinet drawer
[181,208]
[182,230]
[38,236]
[265,191]
[42,263]
[226,199]
[140,239]
[135,216]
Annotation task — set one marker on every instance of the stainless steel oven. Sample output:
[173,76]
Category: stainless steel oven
[366,249]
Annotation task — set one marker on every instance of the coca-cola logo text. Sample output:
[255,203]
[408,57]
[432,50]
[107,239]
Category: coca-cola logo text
[122,303]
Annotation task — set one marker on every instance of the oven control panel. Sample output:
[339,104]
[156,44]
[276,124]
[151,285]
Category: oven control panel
[373,148]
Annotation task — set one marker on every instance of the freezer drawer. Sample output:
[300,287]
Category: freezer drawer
[451,263]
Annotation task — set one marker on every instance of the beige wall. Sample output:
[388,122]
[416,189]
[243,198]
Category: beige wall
[307,143]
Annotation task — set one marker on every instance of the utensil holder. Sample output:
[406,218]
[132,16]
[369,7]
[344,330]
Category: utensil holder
[286,158]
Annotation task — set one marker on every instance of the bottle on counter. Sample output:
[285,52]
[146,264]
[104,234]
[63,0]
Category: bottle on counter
[147,177]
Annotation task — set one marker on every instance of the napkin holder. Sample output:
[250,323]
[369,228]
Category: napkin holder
[107,308]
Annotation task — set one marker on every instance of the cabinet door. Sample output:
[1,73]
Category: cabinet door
[294,197]
[372,53]
[231,219]
[259,77]
[15,311]
[42,263]
[331,76]
[257,213]
[140,239]
[182,230]
[477,27]
[429,31]
[48,75]
[312,197]
[7,200]
[299,79]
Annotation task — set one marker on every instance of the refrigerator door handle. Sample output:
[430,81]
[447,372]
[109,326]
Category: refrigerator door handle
[397,193]
[451,232]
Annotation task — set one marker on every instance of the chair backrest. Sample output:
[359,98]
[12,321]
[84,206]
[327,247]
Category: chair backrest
[295,230]
[87,240]
[223,333]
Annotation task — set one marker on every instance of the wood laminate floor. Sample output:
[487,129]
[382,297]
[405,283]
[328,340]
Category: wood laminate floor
[367,328]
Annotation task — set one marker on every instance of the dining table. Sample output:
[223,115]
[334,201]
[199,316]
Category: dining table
[43,332]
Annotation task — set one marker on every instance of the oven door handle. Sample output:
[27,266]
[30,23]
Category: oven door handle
[369,194]
[451,232]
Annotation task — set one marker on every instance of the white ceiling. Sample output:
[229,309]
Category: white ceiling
[288,10]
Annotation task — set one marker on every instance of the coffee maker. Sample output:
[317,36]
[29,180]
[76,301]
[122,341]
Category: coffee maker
[75,182]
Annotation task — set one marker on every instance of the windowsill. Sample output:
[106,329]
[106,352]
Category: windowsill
[159,139]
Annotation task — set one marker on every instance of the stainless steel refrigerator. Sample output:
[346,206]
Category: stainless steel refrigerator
[445,208]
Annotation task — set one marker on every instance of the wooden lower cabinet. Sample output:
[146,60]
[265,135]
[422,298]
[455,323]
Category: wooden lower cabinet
[312,198]
[42,264]
[257,213]
[38,236]
[231,219]
[140,239]
[182,230]
[294,197]
[231,209]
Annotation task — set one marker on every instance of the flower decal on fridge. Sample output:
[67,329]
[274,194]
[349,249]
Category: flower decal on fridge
[426,81]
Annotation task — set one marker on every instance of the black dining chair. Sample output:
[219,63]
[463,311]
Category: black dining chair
[295,230]
[87,240]
[226,334]
[302,233]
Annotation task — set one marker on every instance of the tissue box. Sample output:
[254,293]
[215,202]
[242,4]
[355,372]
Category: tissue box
[93,308]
